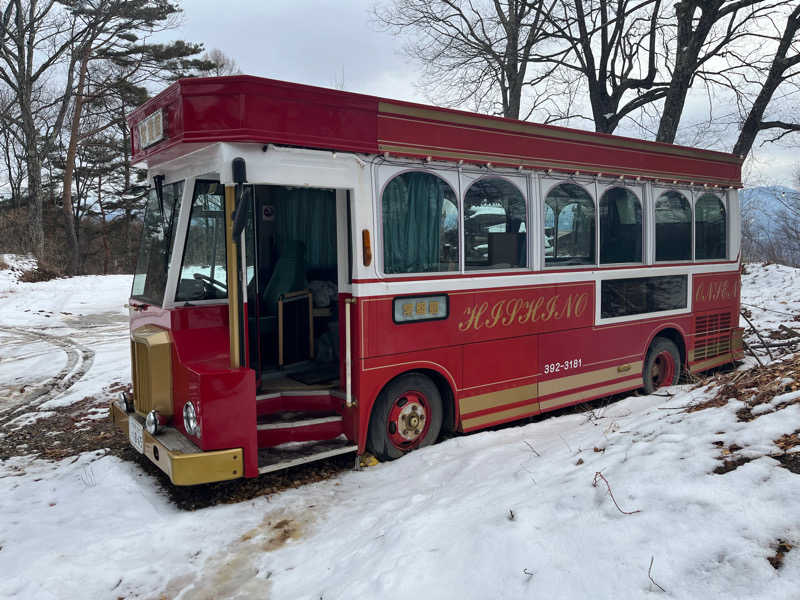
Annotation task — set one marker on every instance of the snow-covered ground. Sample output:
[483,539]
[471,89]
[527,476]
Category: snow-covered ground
[519,512]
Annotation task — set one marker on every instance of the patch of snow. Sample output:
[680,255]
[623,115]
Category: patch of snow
[477,516]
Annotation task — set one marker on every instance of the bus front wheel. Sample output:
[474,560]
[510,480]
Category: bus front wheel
[662,366]
[407,415]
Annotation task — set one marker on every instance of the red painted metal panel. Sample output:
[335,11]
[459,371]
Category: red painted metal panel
[269,438]
[716,291]
[482,315]
[250,109]
[514,148]
[509,361]
[323,403]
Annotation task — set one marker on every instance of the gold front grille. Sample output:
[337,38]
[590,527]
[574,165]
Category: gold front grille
[151,363]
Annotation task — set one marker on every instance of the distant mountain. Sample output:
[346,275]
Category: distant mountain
[759,204]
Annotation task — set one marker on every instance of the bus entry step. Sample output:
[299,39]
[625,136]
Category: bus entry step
[293,454]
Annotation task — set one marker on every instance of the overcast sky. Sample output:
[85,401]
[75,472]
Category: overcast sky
[318,42]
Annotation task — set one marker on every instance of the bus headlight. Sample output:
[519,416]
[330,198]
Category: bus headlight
[152,422]
[190,419]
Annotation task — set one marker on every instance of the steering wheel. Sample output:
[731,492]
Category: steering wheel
[211,282]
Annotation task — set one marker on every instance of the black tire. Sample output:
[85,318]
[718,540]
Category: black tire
[656,365]
[404,392]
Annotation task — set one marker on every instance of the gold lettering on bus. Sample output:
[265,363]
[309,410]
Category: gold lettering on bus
[716,290]
[512,311]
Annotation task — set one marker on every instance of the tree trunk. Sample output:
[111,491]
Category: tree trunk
[103,225]
[69,167]
[35,201]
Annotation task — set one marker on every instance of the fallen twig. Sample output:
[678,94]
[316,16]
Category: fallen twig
[768,309]
[794,332]
[781,344]
[746,345]
[758,334]
[599,475]
[651,577]
[529,445]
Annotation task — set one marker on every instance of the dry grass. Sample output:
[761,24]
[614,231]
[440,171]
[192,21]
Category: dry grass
[755,386]
[782,547]
[41,272]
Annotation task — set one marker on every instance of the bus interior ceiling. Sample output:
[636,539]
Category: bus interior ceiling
[292,290]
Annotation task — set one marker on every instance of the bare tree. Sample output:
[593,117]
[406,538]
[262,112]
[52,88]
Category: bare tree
[220,63]
[36,37]
[705,30]
[479,52]
[783,70]
[615,48]
[109,54]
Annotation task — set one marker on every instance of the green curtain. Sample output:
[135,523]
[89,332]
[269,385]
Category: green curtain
[308,216]
[412,223]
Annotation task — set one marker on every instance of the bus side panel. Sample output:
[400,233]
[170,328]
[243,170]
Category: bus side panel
[499,383]
[716,335]
[578,363]
[478,316]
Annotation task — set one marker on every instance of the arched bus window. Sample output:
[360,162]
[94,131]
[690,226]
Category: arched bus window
[709,227]
[673,227]
[620,226]
[569,226]
[494,225]
[420,224]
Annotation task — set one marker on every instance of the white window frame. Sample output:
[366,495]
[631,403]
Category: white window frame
[520,182]
[723,198]
[546,185]
[638,190]
[687,193]
[384,174]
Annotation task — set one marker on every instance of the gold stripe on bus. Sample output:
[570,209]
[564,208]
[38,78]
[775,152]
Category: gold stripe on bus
[562,384]
[711,362]
[528,409]
[599,391]
[500,398]
[389,108]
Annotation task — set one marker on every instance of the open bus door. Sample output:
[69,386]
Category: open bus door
[292,254]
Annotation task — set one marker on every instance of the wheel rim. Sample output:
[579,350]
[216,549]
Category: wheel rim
[409,420]
[663,370]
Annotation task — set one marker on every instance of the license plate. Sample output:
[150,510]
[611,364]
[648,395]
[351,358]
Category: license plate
[135,434]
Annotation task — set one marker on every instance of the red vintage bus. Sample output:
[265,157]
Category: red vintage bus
[324,272]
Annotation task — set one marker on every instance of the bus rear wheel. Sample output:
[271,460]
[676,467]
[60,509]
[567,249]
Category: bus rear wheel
[407,415]
[662,366]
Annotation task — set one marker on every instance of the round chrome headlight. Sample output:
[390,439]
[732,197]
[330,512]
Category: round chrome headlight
[151,422]
[190,419]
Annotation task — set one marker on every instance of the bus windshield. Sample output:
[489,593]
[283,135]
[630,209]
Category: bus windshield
[150,278]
